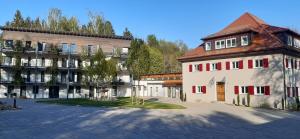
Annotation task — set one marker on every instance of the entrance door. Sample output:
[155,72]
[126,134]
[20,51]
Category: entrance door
[220,91]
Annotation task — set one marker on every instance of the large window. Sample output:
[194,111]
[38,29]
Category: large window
[73,48]
[259,90]
[208,46]
[231,42]
[220,44]
[244,40]
[214,66]
[296,43]
[65,48]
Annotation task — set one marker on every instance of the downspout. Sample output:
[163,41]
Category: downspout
[284,81]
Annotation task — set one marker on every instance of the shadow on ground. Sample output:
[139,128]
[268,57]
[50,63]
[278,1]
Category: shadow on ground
[58,122]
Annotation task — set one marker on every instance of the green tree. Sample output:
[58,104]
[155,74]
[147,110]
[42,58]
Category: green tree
[156,61]
[54,18]
[37,23]
[18,20]
[152,41]
[108,29]
[127,33]
[27,23]
[138,61]
[17,68]
[73,24]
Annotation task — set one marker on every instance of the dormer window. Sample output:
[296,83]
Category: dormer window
[220,44]
[290,40]
[208,46]
[244,40]
[296,43]
[231,42]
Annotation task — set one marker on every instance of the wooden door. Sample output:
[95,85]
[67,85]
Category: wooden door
[221,91]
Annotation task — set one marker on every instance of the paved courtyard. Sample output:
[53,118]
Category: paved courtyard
[202,120]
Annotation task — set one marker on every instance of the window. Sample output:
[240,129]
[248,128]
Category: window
[200,89]
[220,44]
[259,90]
[78,89]
[42,76]
[296,43]
[235,65]
[9,43]
[290,40]
[73,48]
[7,61]
[65,48]
[208,46]
[214,66]
[258,63]
[28,44]
[196,67]
[43,62]
[244,90]
[41,46]
[89,49]
[231,42]
[244,40]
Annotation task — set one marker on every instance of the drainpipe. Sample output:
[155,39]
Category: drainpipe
[284,80]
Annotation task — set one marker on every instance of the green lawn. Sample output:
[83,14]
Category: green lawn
[123,102]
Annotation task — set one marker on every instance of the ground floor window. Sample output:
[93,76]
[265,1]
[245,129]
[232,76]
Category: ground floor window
[259,90]
[244,89]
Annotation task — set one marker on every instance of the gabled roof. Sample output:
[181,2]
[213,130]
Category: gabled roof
[246,22]
[264,40]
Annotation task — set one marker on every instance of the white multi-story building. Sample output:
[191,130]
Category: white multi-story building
[247,57]
[43,49]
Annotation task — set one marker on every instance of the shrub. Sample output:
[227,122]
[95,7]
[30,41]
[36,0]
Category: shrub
[265,105]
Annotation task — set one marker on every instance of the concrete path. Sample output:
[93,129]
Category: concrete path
[199,120]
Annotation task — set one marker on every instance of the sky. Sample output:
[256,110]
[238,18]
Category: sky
[172,20]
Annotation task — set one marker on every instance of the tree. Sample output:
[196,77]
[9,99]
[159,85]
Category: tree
[108,29]
[17,68]
[18,20]
[127,33]
[73,24]
[27,23]
[156,61]
[152,41]
[54,18]
[138,60]
[100,71]
[37,23]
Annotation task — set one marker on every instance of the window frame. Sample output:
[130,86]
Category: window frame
[213,66]
[243,41]
[290,40]
[259,90]
[244,90]
[199,89]
[260,63]
[220,46]
[235,65]
[231,42]
[206,46]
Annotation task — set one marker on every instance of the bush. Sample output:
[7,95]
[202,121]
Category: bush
[265,105]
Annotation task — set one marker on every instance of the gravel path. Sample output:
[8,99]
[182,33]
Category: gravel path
[202,120]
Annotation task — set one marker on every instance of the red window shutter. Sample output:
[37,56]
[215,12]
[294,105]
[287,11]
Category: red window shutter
[236,90]
[194,89]
[251,90]
[207,66]
[288,91]
[219,65]
[190,68]
[227,65]
[203,89]
[286,62]
[250,64]
[265,62]
[200,67]
[241,65]
[267,90]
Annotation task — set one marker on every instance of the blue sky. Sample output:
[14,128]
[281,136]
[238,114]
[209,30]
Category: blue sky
[186,20]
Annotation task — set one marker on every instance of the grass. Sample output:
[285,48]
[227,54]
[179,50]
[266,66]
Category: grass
[122,102]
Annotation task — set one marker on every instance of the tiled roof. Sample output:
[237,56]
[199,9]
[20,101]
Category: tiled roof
[264,40]
[62,32]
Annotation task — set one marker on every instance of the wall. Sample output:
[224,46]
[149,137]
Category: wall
[271,76]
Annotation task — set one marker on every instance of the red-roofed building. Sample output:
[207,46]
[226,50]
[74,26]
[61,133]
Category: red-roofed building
[248,56]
